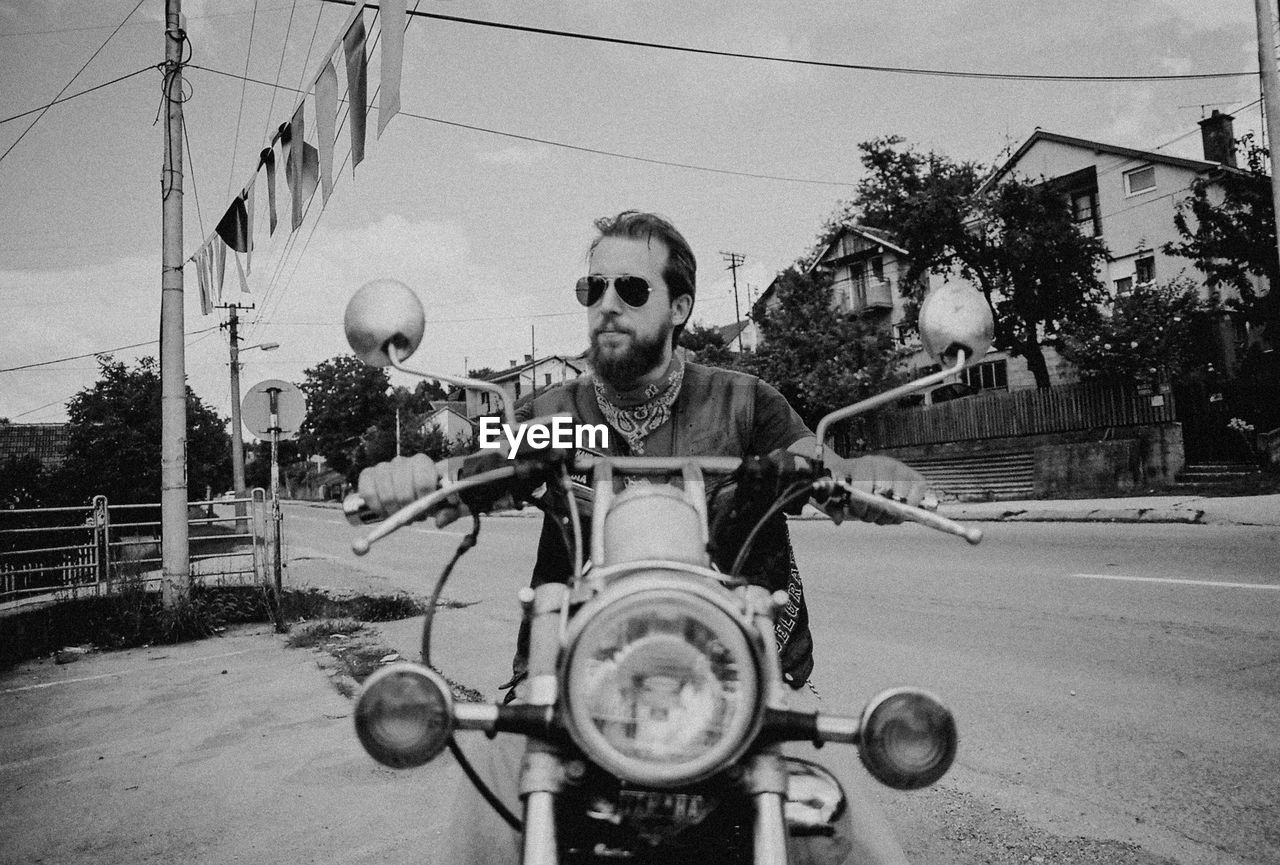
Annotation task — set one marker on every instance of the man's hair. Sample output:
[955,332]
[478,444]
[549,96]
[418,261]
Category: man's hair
[681,270]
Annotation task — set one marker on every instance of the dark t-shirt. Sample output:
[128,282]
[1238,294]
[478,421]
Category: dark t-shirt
[717,413]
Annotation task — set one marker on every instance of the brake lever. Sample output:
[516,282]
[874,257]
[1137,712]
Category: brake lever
[907,512]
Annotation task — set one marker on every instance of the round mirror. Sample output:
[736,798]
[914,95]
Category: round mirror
[384,312]
[956,317]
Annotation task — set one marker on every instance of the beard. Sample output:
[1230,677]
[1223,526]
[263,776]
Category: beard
[622,367]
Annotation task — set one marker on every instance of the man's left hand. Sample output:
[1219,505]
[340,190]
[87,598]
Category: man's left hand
[878,475]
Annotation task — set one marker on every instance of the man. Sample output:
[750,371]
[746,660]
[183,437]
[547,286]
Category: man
[639,293]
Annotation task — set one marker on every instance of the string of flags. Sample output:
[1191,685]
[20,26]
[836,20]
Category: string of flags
[307,166]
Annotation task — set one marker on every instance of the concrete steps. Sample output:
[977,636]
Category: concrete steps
[980,477]
[1202,475]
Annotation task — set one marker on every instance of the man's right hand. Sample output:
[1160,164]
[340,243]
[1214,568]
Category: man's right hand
[389,486]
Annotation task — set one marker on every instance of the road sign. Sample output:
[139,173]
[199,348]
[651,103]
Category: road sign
[290,408]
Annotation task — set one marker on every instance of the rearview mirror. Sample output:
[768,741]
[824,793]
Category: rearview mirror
[953,318]
[382,313]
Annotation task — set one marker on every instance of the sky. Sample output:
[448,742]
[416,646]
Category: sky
[489,228]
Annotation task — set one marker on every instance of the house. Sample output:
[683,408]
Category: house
[524,378]
[47,442]
[450,417]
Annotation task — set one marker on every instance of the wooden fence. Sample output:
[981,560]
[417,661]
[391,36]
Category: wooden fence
[1028,412]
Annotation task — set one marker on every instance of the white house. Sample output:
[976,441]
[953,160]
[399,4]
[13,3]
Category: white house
[524,378]
[449,416]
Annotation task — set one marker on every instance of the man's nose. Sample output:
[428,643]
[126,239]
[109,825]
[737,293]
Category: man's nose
[610,302]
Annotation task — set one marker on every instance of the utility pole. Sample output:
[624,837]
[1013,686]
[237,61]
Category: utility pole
[533,355]
[1271,101]
[735,260]
[237,431]
[175,553]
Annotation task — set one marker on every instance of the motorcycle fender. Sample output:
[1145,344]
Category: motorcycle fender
[819,829]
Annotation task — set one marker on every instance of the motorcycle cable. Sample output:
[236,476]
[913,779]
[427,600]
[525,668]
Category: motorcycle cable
[468,541]
[795,493]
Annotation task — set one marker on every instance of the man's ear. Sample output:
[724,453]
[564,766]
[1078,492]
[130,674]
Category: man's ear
[681,309]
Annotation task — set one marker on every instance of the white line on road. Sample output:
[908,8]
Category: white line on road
[1179,582]
[123,672]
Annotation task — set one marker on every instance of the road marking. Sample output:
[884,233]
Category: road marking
[1179,582]
[124,672]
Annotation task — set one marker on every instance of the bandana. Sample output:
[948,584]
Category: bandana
[635,415]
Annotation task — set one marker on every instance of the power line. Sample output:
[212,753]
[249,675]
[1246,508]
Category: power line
[577,147]
[20,33]
[235,139]
[81,93]
[100,351]
[69,83]
[829,64]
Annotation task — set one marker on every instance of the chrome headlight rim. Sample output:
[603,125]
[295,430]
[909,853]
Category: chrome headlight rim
[431,741]
[723,610]
[874,729]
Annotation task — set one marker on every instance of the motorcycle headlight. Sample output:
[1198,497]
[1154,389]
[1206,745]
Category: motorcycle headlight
[404,715]
[662,686]
[908,738]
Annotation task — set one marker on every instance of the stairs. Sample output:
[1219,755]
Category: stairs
[979,477]
[1216,476]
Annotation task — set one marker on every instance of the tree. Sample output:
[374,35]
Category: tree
[820,360]
[24,482]
[1227,226]
[1016,240]
[708,346]
[344,399]
[1148,336]
[114,438]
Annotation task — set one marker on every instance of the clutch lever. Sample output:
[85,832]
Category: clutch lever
[907,512]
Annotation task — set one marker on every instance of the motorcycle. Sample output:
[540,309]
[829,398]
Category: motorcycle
[655,712]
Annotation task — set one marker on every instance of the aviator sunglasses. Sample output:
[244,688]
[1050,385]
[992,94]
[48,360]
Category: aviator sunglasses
[634,290]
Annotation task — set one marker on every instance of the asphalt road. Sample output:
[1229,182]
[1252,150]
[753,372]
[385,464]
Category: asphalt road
[1113,682]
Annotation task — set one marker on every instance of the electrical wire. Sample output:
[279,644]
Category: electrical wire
[279,66]
[829,64]
[235,139]
[191,169]
[100,351]
[69,83]
[81,93]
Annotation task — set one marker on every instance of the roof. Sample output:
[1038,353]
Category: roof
[515,371]
[875,235]
[729,332]
[1197,165]
[460,406]
[46,442]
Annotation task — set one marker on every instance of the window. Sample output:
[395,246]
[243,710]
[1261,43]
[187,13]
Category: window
[904,334]
[1139,180]
[548,378]
[517,389]
[1145,270]
[991,375]
[1084,210]
[877,269]
[1124,286]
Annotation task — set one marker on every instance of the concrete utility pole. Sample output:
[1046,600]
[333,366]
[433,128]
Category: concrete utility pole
[175,554]
[735,260]
[237,428]
[1271,101]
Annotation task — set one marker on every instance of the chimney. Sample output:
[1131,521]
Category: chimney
[513,364]
[528,358]
[1219,143]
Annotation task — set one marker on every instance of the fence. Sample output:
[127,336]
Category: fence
[66,552]
[1029,412]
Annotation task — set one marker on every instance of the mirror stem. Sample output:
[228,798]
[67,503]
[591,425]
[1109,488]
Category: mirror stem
[508,411]
[879,400]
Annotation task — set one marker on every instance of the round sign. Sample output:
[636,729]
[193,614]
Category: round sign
[273,405]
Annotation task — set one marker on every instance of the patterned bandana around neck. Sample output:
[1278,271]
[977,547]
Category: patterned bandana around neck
[635,415]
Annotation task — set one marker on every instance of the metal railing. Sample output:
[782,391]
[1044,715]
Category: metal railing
[74,551]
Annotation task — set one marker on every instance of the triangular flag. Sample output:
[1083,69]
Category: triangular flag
[206,304]
[220,265]
[244,283]
[326,109]
[357,86]
[393,18]
[269,161]
[292,168]
[233,228]
[248,209]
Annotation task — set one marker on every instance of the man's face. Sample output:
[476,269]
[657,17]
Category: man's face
[627,342]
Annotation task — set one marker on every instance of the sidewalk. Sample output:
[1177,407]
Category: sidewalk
[1191,509]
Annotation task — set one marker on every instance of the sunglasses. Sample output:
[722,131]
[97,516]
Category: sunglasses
[634,290]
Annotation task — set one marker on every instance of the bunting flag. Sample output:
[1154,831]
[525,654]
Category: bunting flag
[233,228]
[301,165]
[206,301]
[393,18]
[326,110]
[248,209]
[244,283]
[219,266]
[268,159]
[357,87]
